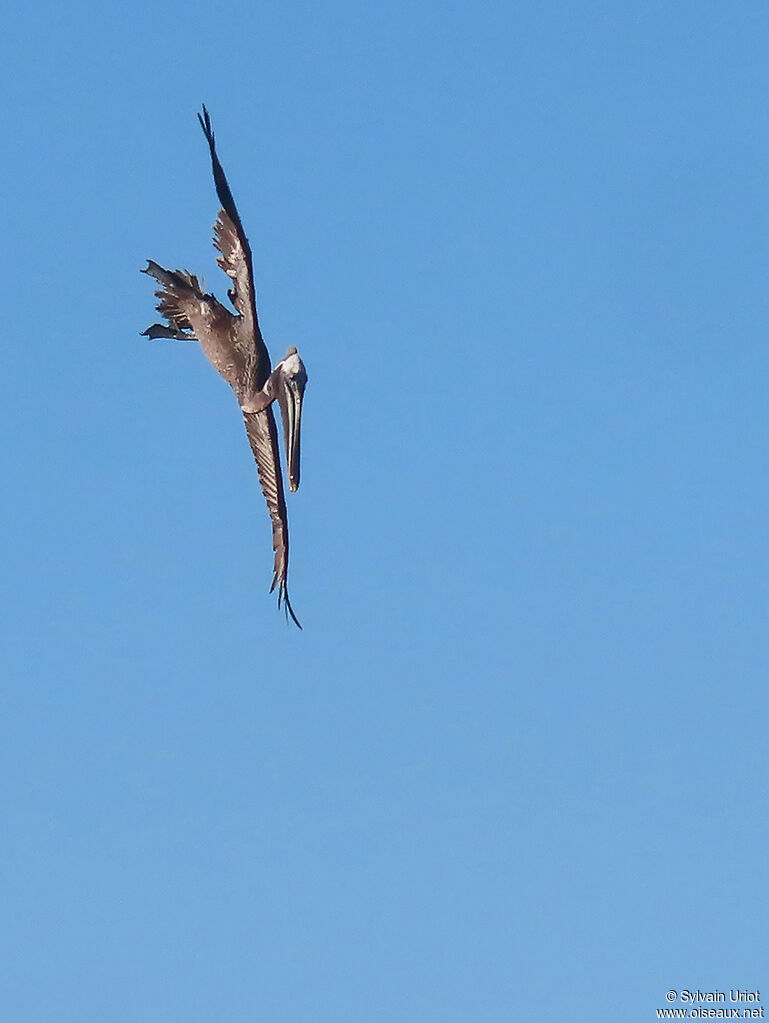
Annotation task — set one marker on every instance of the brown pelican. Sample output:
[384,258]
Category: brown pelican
[234,345]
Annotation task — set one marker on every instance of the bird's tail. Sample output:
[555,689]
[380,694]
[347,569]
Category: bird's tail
[177,289]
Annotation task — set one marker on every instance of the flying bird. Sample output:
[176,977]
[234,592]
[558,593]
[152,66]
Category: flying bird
[234,346]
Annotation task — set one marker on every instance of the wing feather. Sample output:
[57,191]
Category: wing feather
[263,438]
[236,261]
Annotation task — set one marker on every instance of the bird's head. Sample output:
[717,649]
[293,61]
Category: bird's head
[292,380]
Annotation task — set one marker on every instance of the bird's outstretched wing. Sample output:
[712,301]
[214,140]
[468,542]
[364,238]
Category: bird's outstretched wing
[235,259]
[263,438]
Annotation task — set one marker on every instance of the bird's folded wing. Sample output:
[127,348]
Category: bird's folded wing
[263,438]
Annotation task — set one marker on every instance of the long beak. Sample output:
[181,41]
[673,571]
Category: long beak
[291,412]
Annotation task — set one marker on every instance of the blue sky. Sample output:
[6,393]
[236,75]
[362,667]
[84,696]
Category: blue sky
[516,762]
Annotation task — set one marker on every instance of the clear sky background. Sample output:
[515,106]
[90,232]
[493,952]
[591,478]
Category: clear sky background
[516,763]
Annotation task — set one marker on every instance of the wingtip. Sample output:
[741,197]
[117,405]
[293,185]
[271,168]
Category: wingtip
[285,603]
[290,611]
[205,124]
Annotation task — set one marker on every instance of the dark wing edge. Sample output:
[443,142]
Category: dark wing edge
[263,438]
[220,181]
[230,239]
